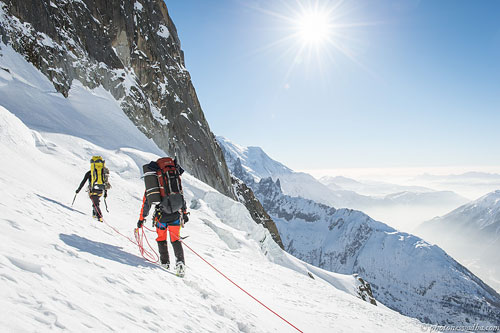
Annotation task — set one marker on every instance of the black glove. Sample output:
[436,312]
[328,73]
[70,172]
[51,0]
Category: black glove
[105,194]
[185,217]
[139,223]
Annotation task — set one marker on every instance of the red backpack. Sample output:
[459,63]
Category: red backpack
[163,184]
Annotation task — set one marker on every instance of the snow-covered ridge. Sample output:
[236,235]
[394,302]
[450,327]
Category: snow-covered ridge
[337,191]
[88,278]
[471,233]
[483,212]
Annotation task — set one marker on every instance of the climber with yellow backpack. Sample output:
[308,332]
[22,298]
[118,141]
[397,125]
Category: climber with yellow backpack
[98,178]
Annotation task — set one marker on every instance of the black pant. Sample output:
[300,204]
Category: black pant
[162,248]
[96,210]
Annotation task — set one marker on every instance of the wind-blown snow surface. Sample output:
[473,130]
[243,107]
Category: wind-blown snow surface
[61,270]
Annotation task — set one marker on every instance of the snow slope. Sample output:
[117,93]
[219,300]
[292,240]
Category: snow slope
[61,270]
[90,114]
[471,233]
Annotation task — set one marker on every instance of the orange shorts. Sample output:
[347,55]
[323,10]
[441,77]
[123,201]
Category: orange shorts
[174,230]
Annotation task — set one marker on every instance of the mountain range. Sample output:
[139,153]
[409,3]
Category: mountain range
[403,207]
[406,273]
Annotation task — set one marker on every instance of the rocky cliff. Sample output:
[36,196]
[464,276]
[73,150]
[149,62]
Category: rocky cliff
[246,196]
[131,48]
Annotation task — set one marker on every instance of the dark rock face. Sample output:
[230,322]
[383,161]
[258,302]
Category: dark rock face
[246,196]
[365,291]
[242,183]
[132,49]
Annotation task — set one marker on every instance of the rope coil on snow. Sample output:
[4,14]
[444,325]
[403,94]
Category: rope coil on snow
[150,256]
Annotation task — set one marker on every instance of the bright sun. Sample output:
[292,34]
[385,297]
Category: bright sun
[313,27]
[313,32]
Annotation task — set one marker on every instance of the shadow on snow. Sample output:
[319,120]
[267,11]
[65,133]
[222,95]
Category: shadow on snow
[58,203]
[105,251]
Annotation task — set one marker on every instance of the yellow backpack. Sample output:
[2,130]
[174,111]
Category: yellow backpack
[98,175]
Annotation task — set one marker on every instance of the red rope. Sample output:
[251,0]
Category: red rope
[151,230]
[150,256]
[246,292]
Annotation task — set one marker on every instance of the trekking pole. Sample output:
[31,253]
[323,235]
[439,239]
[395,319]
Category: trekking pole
[74,199]
[105,204]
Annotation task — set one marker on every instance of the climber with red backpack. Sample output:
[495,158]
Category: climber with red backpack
[163,188]
[98,178]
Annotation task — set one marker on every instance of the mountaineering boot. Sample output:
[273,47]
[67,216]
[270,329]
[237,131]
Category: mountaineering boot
[166,266]
[180,269]
[99,219]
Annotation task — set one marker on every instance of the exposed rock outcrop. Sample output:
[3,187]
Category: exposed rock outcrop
[246,196]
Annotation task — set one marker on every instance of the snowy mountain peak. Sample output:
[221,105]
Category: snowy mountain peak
[253,159]
[481,213]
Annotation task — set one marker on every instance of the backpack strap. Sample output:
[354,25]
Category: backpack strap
[165,181]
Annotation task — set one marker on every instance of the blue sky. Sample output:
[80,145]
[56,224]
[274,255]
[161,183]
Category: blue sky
[416,85]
